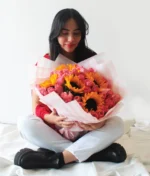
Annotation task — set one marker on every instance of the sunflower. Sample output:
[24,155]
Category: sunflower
[66,66]
[74,84]
[92,102]
[61,67]
[45,84]
[71,66]
[50,82]
[53,79]
[99,80]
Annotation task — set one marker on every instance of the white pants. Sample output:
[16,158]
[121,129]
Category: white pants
[34,130]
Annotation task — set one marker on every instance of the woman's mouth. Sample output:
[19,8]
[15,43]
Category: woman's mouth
[70,45]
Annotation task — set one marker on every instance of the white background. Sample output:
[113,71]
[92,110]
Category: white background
[120,28]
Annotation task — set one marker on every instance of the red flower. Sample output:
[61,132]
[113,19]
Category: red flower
[106,108]
[109,102]
[101,114]
[91,70]
[95,114]
[116,98]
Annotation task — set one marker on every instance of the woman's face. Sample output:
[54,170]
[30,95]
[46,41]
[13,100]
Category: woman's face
[70,36]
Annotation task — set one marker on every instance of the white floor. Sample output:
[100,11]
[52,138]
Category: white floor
[136,142]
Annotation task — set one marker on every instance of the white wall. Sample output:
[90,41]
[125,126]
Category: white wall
[119,28]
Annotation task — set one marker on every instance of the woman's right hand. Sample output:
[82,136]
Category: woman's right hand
[53,118]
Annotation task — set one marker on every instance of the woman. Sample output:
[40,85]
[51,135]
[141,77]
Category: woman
[68,36]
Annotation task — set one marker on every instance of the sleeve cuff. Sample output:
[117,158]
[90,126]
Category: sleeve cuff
[41,110]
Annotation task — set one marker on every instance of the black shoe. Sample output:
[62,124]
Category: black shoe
[46,151]
[114,153]
[29,159]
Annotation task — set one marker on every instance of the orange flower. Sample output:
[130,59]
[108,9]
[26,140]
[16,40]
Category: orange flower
[45,84]
[61,67]
[53,79]
[98,79]
[92,102]
[50,82]
[71,66]
[74,84]
[66,66]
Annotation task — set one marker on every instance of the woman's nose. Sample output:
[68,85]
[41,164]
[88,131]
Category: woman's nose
[70,38]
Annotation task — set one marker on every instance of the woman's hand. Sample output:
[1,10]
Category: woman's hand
[91,126]
[53,118]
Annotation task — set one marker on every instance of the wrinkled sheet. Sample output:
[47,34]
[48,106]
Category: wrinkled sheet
[135,165]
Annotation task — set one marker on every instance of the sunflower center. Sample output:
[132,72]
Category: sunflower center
[73,84]
[91,104]
[96,83]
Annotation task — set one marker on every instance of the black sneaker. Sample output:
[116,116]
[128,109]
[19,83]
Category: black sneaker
[30,159]
[114,153]
[46,151]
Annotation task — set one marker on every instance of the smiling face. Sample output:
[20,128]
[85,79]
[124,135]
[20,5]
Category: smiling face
[70,36]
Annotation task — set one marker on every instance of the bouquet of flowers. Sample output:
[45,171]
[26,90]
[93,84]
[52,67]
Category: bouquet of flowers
[85,92]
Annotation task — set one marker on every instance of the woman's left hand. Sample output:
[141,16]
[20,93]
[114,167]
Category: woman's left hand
[91,126]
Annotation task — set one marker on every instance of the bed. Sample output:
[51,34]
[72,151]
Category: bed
[135,140]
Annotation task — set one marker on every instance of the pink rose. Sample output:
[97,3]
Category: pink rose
[77,98]
[81,76]
[58,89]
[60,80]
[87,90]
[74,71]
[67,97]
[65,74]
[103,92]
[66,71]
[60,72]
[88,82]
[80,103]
[50,89]
[95,88]
[105,108]
[82,69]
[109,93]
[109,102]
[116,98]
[95,114]
[101,114]
[43,91]
[91,70]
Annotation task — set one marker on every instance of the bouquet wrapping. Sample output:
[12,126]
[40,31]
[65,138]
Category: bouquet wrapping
[87,92]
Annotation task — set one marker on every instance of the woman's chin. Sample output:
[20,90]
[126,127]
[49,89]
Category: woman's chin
[69,50]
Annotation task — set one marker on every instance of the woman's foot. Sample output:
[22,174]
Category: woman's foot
[114,153]
[30,159]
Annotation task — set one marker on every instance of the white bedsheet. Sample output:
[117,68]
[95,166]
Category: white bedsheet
[11,142]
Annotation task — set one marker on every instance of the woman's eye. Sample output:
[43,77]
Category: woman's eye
[77,34]
[64,33]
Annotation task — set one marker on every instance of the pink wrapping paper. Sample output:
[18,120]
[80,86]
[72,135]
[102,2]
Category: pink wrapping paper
[72,110]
